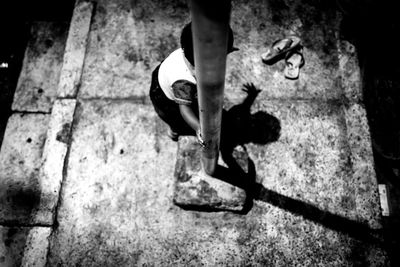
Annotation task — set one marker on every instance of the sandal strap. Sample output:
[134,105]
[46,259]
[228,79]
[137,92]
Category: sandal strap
[286,46]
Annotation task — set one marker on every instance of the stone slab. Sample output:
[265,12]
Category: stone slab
[323,158]
[117,201]
[36,247]
[20,161]
[195,189]
[53,159]
[127,42]
[75,49]
[12,243]
[38,80]
[366,190]
[257,24]
[128,39]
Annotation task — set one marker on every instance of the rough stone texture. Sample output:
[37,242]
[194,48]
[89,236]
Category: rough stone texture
[313,161]
[36,247]
[20,158]
[257,24]
[126,43]
[38,80]
[75,49]
[194,188]
[349,70]
[54,152]
[117,206]
[314,199]
[363,166]
[12,243]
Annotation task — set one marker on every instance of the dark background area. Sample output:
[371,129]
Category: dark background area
[371,25]
[15,22]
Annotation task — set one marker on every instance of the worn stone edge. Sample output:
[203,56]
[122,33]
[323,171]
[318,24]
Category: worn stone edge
[36,249]
[54,153]
[14,106]
[349,72]
[75,50]
[363,165]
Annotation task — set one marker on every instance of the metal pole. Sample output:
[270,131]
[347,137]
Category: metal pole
[210,25]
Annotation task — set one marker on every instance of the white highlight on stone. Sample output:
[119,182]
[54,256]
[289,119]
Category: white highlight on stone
[75,49]
[35,252]
[55,150]
[384,200]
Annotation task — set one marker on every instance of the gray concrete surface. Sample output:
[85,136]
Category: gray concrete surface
[75,50]
[38,80]
[13,241]
[316,200]
[20,160]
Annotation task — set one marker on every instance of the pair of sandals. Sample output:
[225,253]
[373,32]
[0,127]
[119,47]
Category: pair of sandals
[290,49]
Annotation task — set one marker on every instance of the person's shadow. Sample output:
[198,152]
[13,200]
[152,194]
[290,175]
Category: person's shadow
[240,127]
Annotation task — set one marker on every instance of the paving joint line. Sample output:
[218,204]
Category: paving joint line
[30,112]
[26,225]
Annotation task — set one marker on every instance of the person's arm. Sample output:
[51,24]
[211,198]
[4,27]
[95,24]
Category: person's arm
[190,117]
[184,92]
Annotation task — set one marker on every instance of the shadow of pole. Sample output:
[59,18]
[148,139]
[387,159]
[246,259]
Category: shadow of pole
[241,127]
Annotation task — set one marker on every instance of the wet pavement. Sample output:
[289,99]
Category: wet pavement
[87,172]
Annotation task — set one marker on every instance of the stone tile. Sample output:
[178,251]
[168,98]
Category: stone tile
[117,201]
[20,158]
[54,152]
[12,243]
[349,71]
[367,192]
[257,24]
[126,44]
[38,80]
[75,49]
[36,248]
[314,161]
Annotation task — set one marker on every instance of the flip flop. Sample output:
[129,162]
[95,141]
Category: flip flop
[294,60]
[279,48]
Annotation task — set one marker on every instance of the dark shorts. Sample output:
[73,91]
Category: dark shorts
[167,109]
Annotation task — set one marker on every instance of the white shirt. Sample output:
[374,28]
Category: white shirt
[174,68]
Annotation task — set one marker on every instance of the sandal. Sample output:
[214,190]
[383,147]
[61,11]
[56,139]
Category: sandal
[294,60]
[279,48]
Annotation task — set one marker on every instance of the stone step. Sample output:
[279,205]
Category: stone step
[194,189]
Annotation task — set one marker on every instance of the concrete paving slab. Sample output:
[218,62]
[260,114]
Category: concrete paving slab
[358,136]
[75,49]
[12,243]
[117,208]
[36,247]
[349,72]
[127,43]
[38,80]
[314,161]
[20,162]
[54,152]
[258,24]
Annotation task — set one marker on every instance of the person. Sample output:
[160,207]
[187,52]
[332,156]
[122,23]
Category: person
[173,89]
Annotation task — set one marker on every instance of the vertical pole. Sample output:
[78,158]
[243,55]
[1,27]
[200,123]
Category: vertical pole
[210,25]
